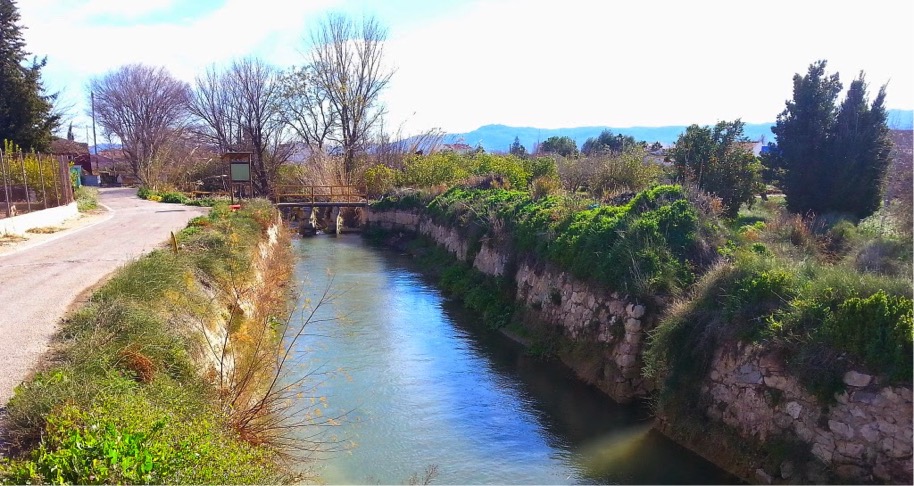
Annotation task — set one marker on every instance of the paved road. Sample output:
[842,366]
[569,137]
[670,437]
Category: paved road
[38,283]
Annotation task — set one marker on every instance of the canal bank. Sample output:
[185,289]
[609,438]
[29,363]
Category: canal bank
[163,376]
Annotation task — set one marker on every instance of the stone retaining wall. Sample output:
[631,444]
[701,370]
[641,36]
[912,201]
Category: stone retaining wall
[865,437]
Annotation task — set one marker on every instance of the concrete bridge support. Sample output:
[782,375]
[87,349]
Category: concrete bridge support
[336,219]
[306,221]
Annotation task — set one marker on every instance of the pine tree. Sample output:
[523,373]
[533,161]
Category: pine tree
[517,148]
[860,152]
[802,133]
[26,111]
[833,157]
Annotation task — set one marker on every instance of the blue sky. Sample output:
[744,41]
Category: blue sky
[465,63]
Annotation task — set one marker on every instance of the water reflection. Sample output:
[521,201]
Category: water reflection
[425,383]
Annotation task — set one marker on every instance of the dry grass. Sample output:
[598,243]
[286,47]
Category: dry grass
[44,230]
[9,239]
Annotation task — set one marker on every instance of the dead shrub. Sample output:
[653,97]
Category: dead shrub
[137,363]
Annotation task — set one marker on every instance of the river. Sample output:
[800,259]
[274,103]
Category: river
[416,381]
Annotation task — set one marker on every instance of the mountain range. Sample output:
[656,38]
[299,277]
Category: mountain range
[498,138]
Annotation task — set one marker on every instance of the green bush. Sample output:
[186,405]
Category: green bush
[144,192]
[379,179]
[876,330]
[131,439]
[174,197]
[86,198]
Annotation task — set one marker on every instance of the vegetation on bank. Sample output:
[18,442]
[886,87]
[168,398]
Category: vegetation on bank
[663,237]
[827,296]
[86,198]
[175,197]
[829,293]
[125,402]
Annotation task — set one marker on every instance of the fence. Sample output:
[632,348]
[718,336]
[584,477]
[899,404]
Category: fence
[31,182]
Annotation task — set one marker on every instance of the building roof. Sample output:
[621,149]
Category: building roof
[62,146]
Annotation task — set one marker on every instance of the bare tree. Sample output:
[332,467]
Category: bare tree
[391,149]
[240,109]
[211,102]
[307,109]
[144,107]
[347,62]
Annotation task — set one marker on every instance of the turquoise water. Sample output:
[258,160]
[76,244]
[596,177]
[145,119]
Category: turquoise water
[415,381]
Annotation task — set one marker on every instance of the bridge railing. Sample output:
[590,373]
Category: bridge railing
[319,194]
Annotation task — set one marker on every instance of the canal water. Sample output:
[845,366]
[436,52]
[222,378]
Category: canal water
[415,381]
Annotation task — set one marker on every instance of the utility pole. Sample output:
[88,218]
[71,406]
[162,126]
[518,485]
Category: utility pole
[87,143]
[94,143]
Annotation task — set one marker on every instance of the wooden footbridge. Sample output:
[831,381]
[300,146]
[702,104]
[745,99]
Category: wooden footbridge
[319,196]
[302,203]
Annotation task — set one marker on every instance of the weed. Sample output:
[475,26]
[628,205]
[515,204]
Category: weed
[86,198]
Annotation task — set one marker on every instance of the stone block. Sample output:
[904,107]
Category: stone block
[822,452]
[632,325]
[850,471]
[841,429]
[890,395]
[787,469]
[635,310]
[895,448]
[752,377]
[777,382]
[794,409]
[886,428]
[870,432]
[626,360]
[762,477]
[771,362]
[853,378]
[849,449]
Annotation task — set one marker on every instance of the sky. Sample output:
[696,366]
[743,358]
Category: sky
[460,64]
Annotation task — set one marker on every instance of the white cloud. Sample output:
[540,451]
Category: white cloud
[520,62]
[575,62]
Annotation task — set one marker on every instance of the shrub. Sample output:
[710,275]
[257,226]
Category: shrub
[379,180]
[877,330]
[174,198]
[544,186]
[131,439]
[86,198]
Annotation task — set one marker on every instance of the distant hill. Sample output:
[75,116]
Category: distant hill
[104,146]
[497,138]
[901,119]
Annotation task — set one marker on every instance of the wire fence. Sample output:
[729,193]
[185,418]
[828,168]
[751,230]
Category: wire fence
[31,182]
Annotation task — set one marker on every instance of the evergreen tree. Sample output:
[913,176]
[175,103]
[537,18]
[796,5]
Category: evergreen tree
[859,152]
[26,111]
[517,149]
[833,157]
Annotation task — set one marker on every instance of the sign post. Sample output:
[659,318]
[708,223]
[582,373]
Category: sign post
[240,175]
